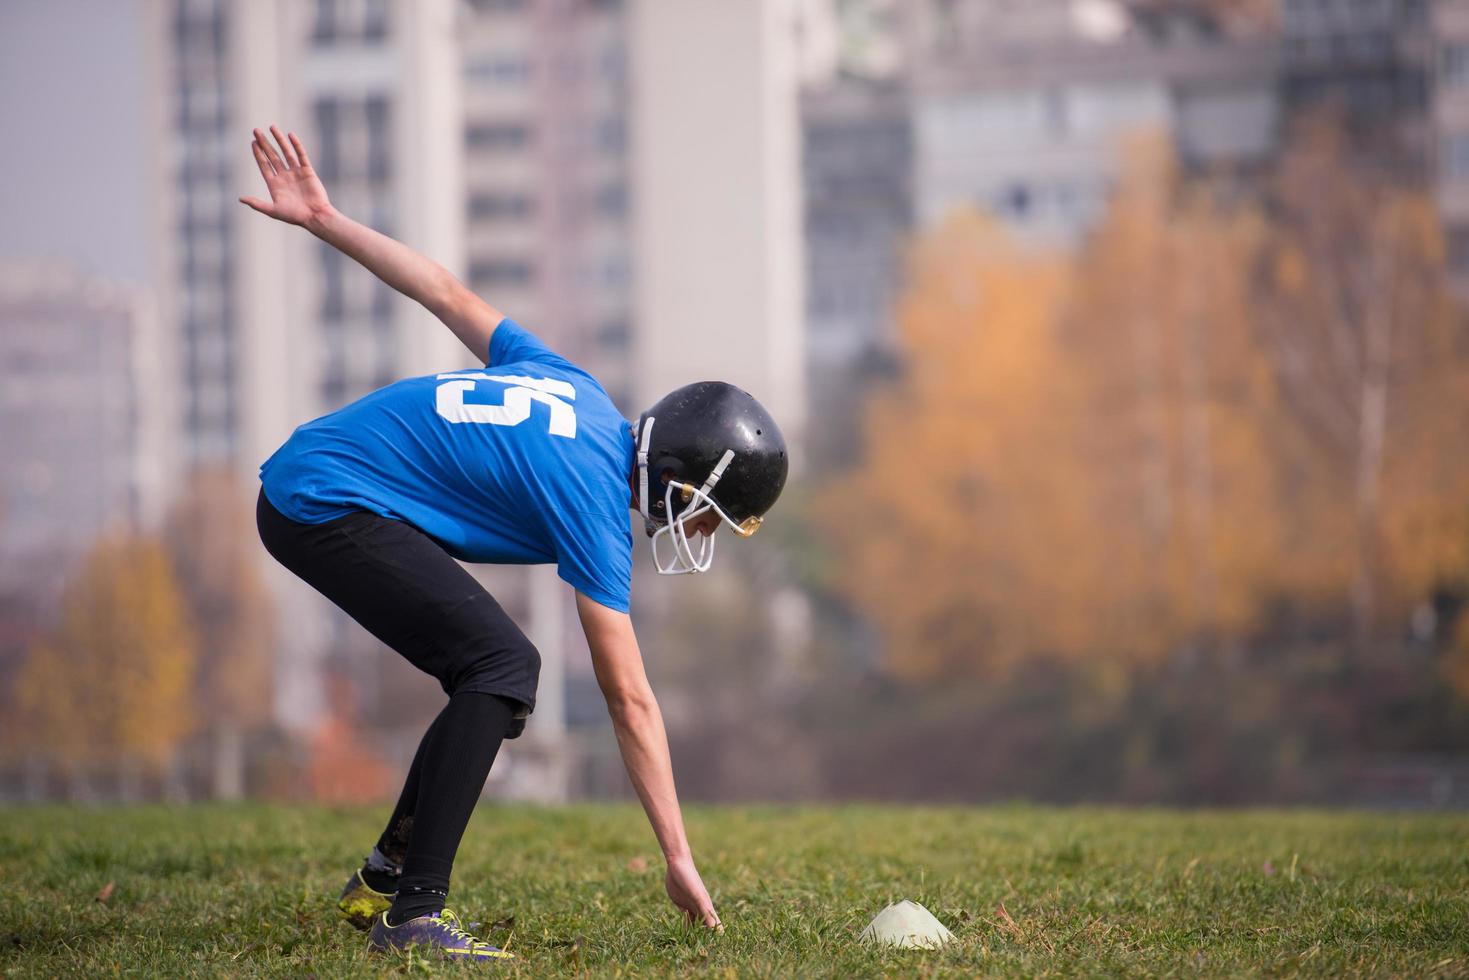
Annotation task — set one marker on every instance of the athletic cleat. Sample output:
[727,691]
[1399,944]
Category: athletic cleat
[441,932]
[360,904]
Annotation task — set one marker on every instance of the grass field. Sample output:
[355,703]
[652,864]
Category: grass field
[247,891]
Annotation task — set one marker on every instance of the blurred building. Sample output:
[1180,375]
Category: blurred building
[547,175]
[270,327]
[718,295]
[87,408]
[1450,155]
[1027,116]
[857,172]
[717,200]
[1370,60]
[1020,110]
[273,327]
[1398,71]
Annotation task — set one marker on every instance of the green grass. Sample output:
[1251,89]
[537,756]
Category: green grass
[247,891]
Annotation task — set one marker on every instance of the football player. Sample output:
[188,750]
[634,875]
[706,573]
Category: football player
[522,460]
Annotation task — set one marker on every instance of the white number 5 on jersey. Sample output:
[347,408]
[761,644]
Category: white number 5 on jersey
[450,403]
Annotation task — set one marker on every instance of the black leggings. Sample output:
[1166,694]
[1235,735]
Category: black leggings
[408,592]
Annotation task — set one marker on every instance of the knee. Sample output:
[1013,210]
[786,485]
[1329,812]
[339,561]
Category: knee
[522,657]
[532,659]
[512,665]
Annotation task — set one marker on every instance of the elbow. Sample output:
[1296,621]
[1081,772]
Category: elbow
[441,294]
[629,707]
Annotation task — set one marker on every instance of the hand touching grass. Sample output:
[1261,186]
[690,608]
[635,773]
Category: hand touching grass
[687,891]
[296,193]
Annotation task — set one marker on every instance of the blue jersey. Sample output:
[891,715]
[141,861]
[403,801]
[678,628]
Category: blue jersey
[525,461]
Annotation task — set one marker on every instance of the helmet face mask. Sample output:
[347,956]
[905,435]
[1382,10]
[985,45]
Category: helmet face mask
[677,441]
[685,559]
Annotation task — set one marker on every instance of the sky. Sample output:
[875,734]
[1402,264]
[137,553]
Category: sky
[72,174]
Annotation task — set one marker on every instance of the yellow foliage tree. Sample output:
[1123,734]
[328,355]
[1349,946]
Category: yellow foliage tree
[952,530]
[113,683]
[1178,449]
[1128,453]
[211,539]
[1372,356]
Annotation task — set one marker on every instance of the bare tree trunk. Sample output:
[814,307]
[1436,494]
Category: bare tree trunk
[1370,451]
[128,780]
[1200,462]
[175,786]
[229,762]
[1148,356]
[78,786]
[1372,443]
[35,777]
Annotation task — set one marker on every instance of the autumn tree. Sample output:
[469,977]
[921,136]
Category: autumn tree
[1177,442]
[1132,452]
[952,530]
[111,687]
[211,540]
[1369,348]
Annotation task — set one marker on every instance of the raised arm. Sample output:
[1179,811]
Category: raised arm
[298,197]
[644,744]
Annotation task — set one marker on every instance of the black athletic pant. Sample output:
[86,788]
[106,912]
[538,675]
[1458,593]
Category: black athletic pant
[408,592]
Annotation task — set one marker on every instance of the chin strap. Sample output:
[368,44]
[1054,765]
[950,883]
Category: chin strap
[643,443]
[716,473]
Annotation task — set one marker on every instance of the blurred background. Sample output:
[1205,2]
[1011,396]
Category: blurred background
[1122,346]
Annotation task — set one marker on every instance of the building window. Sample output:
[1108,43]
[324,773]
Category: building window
[378,138]
[375,21]
[199,27]
[614,271]
[334,388]
[615,334]
[484,273]
[509,68]
[328,136]
[334,283]
[612,200]
[1456,155]
[612,64]
[1458,249]
[1016,201]
[1455,66]
[498,137]
[349,21]
[382,301]
[510,206]
[610,135]
[324,29]
[353,138]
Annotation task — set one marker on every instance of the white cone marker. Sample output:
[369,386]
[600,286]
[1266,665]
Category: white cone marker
[906,924]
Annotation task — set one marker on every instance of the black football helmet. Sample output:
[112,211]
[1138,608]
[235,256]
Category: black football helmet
[718,449]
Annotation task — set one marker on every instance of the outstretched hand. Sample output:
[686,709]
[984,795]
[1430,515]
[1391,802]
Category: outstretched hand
[687,891]
[296,193]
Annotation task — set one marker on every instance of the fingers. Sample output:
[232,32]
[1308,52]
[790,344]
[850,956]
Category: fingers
[705,915]
[300,151]
[262,206]
[270,154]
[262,161]
[287,153]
